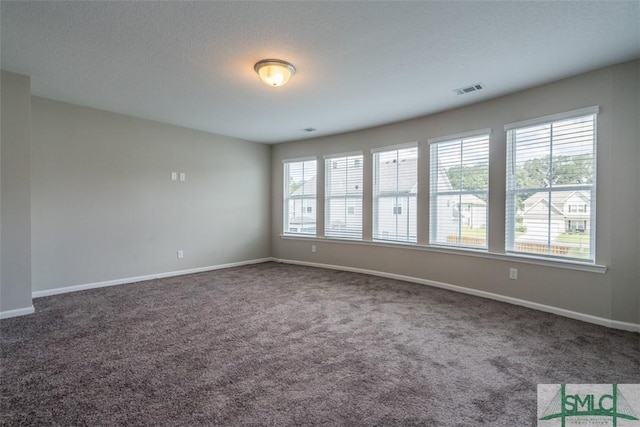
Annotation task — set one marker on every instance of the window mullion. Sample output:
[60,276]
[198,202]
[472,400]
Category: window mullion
[549,167]
[550,188]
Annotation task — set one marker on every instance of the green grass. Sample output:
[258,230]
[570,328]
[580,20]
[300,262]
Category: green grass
[477,233]
[580,238]
[577,253]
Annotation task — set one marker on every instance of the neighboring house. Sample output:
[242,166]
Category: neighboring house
[454,212]
[563,212]
[397,205]
[302,208]
[396,214]
[343,206]
[473,210]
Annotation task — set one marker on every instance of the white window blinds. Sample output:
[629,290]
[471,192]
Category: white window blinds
[459,191]
[550,209]
[395,187]
[300,197]
[343,197]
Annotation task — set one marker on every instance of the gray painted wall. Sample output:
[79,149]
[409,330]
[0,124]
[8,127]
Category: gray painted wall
[625,212]
[104,206]
[15,201]
[613,295]
[97,188]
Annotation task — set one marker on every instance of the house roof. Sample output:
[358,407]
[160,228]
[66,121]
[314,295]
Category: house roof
[444,184]
[558,199]
[308,187]
[554,209]
[471,199]
[406,182]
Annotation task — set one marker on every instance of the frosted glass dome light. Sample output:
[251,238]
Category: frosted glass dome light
[274,72]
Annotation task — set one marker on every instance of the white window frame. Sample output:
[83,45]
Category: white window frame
[512,190]
[434,193]
[286,197]
[383,235]
[331,164]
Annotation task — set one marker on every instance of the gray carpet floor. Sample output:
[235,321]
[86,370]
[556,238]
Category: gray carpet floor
[281,345]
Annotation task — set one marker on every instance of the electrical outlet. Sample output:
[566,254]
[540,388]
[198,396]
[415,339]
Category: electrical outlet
[183,176]
[513,273]
[313,248]
[180,254]
[174,176]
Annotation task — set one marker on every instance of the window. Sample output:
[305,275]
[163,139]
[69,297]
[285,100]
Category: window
[459,190]
[343,197]
[300,197]
[576,225]
[550,209]
[395,187]
[577,208]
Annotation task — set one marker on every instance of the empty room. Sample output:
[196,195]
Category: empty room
[288,213]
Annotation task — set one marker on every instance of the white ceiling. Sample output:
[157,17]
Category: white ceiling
[360,64]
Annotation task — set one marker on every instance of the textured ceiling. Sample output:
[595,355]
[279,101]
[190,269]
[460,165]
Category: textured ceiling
[360,64]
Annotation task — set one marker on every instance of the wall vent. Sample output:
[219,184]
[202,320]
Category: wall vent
[472,88]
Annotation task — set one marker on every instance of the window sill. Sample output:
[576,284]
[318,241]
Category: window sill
[525,259]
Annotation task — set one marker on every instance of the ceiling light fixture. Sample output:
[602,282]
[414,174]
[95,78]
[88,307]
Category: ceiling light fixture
[274,72]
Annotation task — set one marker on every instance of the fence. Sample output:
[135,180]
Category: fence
[529,247]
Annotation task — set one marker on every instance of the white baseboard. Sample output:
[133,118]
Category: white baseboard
[75,288]
[17,312]
[615,324]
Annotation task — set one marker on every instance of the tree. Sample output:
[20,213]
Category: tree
[294,186]
[564,170]
[474,177]
[534,173]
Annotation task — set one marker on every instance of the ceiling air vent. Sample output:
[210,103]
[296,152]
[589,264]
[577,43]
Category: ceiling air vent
[472,88]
